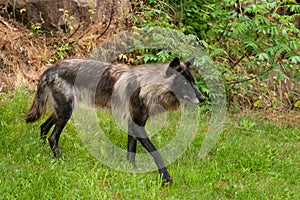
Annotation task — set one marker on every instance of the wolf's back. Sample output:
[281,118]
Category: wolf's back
[75,78]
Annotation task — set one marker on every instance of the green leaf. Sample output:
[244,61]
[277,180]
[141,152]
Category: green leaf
[281,76]
[295,59]
[263,56]
[258,103]
[252,44]
[218,52]
[163,55]
[297,104]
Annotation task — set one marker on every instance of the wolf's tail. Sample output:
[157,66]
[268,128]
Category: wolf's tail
[39,103]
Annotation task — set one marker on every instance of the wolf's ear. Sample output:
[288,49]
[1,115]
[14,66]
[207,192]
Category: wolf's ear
[174,65]
[190,62]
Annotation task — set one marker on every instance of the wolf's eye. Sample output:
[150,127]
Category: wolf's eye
[185,83]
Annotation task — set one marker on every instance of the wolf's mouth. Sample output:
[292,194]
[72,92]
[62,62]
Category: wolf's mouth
[191,100]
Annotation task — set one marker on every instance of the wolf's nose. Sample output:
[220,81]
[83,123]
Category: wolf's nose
[202,99]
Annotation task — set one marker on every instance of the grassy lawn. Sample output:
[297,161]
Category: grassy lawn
[254,159]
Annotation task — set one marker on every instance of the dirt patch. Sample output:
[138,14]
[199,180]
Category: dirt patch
[20,56]
[25,52]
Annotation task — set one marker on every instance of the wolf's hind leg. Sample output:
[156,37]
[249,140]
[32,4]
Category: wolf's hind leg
[46,126]
[131,149]
[64,108]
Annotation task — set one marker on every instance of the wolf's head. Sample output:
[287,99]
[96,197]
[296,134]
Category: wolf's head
[183,85]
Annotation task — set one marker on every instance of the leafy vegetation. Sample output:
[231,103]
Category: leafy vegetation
[254,44]
[253,159]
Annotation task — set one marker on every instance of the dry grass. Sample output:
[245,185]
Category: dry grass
[25,54]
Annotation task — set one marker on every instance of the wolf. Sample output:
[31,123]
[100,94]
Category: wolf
[132,91]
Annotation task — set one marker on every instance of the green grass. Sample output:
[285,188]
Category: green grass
[253,159]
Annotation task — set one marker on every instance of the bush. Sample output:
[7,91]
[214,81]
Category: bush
[255,45]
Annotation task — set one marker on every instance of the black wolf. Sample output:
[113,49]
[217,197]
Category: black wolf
[134,91]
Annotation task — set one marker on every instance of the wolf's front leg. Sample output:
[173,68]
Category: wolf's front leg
[166,177]
[140,134]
